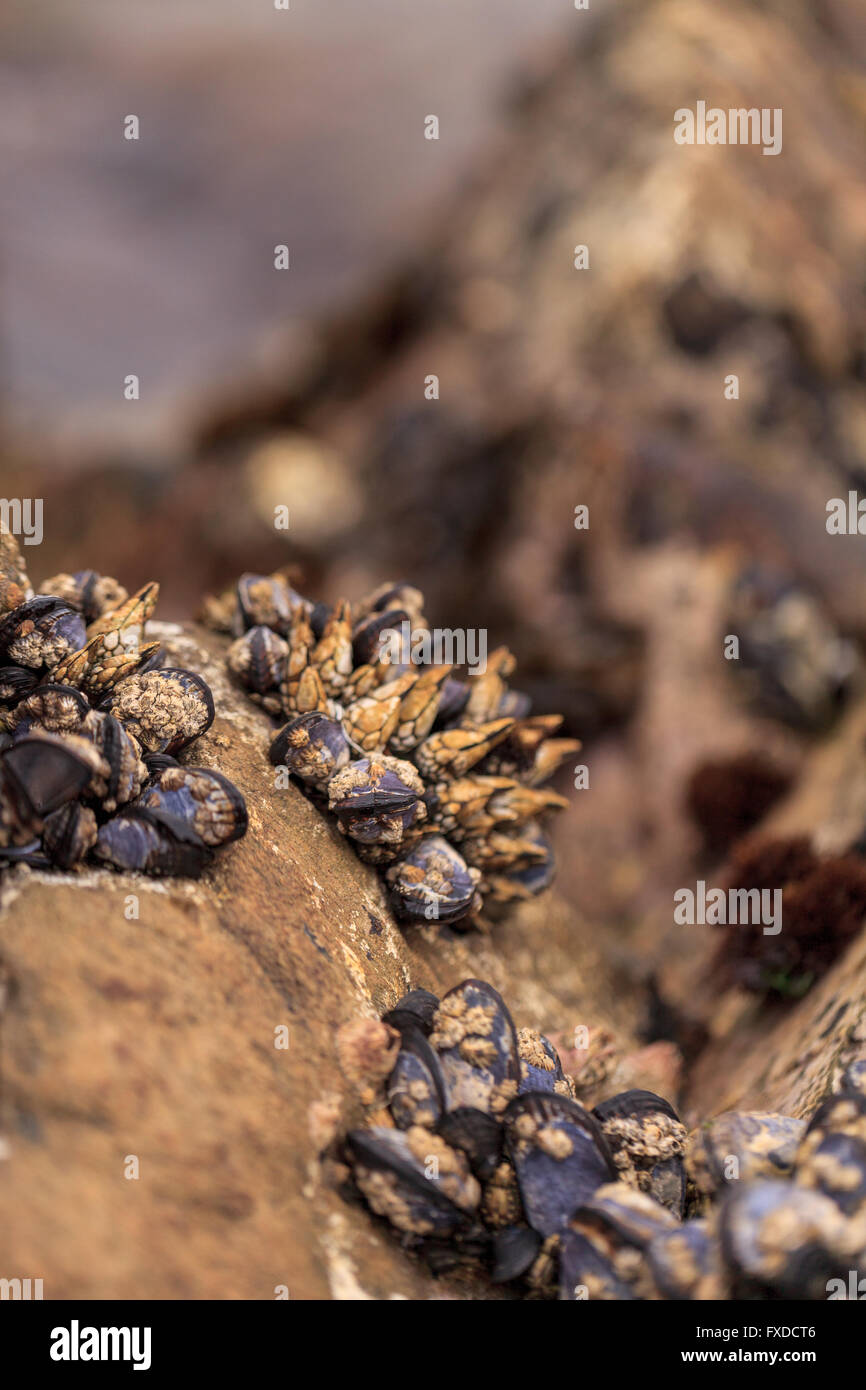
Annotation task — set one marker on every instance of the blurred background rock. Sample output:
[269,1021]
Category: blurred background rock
[603,387]
[412,257]
[257,127]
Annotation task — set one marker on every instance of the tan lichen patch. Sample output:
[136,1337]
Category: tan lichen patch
[387,1198]
[501,1205]
[532,1050]
[645,1141]
[367,1050]
[478,1052]
[456,1020]
[554,1142]
[449,1167]
[154,709]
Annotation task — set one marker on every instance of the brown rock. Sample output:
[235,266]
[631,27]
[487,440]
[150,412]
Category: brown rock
[156,1038]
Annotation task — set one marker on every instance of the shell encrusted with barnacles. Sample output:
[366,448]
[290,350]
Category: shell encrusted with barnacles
[436,780]
[479,1156]
[90,720]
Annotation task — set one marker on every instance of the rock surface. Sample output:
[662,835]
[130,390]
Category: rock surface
[154,1038]
[785,1058]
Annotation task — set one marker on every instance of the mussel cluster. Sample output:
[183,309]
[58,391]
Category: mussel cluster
[435,779]
[90,719]
[792,664]
[480,1156]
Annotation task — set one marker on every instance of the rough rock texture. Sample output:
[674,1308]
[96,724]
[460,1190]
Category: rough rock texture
[784,1058]
[155,1038]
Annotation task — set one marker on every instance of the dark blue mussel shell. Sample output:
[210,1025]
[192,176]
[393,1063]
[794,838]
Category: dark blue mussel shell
[560,1157]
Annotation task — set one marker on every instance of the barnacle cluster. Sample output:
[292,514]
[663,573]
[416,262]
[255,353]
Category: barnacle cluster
[435,779]
[479,1154]
[89,721]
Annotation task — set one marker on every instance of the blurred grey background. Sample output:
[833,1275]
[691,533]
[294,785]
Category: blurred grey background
[258,127]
